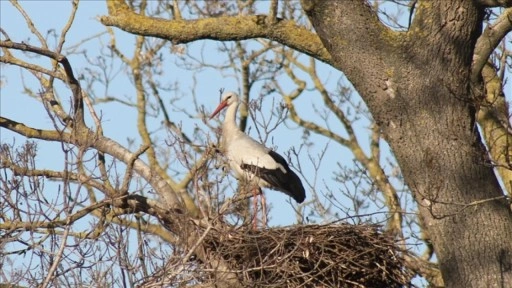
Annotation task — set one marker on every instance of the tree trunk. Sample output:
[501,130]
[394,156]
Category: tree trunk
[417,86]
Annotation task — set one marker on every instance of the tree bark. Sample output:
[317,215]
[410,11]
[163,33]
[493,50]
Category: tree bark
[417,85]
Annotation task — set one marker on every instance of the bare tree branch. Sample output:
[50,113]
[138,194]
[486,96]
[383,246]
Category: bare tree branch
[218,28]
[488,41]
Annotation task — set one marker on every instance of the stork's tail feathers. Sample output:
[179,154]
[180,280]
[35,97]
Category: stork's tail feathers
[296,190]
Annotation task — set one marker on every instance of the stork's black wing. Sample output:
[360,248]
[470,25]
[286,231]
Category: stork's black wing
[287,182]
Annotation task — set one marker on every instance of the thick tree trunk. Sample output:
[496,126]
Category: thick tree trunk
[417,86]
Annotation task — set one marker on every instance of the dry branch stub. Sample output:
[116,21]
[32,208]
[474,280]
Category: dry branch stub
[334,255]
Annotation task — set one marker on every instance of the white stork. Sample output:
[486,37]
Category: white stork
[253,162]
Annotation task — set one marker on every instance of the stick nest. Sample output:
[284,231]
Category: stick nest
[335,255]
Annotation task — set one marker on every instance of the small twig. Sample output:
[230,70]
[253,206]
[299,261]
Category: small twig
[129,169]
[97,122]
[272,14]
[2,31]
[176,10]
[30,24]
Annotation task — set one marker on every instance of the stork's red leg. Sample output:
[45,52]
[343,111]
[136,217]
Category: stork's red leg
[263,208]
[255,208]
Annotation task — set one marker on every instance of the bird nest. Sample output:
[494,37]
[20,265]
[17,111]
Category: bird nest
[336,255]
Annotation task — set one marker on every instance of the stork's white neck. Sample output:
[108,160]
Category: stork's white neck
[229,127]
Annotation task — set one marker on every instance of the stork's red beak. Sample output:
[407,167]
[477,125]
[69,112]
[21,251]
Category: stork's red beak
[221,106]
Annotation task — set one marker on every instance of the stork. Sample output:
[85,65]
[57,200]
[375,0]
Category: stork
[254,163]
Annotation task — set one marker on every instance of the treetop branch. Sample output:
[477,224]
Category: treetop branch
[224,28]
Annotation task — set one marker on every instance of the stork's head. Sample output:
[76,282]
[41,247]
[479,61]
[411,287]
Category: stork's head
[228,99]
